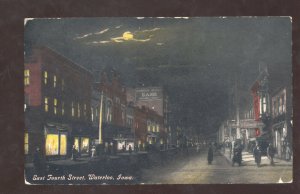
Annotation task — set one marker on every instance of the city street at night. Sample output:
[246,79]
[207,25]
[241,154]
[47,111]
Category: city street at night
[143,100]
[195,170]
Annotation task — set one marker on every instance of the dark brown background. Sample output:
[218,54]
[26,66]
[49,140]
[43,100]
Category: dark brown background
[12,14]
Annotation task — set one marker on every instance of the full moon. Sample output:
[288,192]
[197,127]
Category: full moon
[127,35]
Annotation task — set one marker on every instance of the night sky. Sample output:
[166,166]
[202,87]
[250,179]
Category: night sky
[195,59]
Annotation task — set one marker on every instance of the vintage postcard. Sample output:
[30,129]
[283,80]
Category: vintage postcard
[155,100]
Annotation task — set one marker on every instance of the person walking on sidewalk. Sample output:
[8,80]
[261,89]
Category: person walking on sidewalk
[237,154]
[257,155]
[271,152]
[210,154]
[288,152]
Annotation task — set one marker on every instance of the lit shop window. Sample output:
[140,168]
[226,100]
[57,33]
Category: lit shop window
[62,108]
[26,147]
[63,144]
[78,110]
[46,104]
[54,146]
[45,77]
[84,145]
[55,106]
[76,143]
[26,77]
[73,110]
[62,84]
[54,81]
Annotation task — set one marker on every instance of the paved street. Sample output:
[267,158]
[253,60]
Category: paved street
[195,170]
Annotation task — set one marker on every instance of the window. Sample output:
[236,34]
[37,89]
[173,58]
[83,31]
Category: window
[280,105]
[26,77]
[84,110]
[63,144]
[283,103]
[84,145]
[62,84]
[52,144]
[46,104]
[92,113]
[56,144]
[62,108]
[157,128]
[73,110]
[26,147]
[55,106]
[78,110]
[45,77]
[54,81]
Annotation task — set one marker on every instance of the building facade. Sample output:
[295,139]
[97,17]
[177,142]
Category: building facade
[57,114]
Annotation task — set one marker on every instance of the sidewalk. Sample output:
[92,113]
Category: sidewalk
[248,159]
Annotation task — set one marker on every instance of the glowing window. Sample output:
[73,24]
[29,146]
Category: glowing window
[62,108]
[46,104]
[76,143]
[92,113]
[73,110]
[54,81]
[45,77]
[84,145]
[63,144]
[78,110]
[26,77]
[26,147]
[55,106]
[52,144]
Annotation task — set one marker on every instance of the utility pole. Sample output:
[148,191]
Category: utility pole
[238,130]
[100,118]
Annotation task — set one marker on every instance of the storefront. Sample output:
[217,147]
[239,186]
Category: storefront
[56,141]
[279,137]
[82,144]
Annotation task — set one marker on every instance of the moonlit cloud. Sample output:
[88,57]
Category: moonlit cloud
[84,36]
[102,31]
[118,26]
[150,30]
[159,43]
[140,18]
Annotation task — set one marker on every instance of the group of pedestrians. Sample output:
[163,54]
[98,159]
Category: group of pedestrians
[237,149]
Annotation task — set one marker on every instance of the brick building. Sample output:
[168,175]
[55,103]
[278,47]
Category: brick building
[57,104]
[115,129]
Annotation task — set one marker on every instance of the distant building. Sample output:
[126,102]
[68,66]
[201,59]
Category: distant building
[155,99]
[57,104]
[115,127]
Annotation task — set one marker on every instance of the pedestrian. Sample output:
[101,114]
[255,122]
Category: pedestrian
[37,161]
[210,154]
[123,148]
[130,149]
[93,151]
[237,155]
[288,152]
[74,153]
[271,152]
[257,155]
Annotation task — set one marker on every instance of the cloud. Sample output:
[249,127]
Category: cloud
[150,30]
[159,43]
[84,36]
[118,26]
[140,18]
[102,31]
[90,34]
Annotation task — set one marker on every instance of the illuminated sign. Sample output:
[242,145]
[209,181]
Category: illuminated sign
[153,93]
